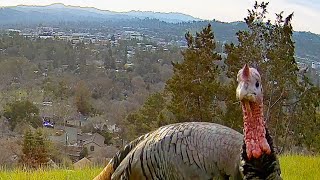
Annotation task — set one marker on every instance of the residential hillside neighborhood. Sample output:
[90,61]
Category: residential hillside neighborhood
[70,138]
[144,42]
[100,38]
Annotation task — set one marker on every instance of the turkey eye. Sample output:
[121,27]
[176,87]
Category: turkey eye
[257,84]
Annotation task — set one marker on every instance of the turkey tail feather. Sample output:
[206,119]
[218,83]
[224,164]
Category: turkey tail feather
[117,159]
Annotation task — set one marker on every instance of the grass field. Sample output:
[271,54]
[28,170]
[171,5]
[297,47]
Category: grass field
[54,174]
[296,167]
[293,167]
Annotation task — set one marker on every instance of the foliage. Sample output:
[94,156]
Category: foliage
[84,152]
[82,99]
[22,111]
[57,152]
[35,149]
[194,83]
[289,98]
[16,70]
[146,118]
[56,90]
[106,134]
[107,137]
[109,61]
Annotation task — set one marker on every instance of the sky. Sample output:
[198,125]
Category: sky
[306,12]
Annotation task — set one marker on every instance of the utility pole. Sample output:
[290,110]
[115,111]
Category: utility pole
[66,145]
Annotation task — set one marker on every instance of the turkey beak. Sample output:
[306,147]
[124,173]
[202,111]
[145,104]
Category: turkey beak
[243,94]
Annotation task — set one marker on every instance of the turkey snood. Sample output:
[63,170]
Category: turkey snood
[254,129]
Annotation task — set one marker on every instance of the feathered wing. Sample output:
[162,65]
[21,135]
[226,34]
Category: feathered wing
[267,167]
[196,150]
[118,158]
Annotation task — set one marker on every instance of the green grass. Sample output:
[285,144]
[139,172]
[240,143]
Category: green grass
[53,174]
[293,167]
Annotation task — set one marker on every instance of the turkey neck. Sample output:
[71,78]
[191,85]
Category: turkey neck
[254,129]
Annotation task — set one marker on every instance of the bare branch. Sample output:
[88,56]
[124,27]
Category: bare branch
[280,97]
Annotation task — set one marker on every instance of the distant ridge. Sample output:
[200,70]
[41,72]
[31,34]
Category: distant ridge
[61,11]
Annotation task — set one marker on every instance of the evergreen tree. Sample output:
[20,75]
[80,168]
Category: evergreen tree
[195,81]
[40,151]
[28,146]
[82,99]
[109,60]
[35,150]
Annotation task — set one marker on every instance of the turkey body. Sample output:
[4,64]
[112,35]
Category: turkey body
[188,151]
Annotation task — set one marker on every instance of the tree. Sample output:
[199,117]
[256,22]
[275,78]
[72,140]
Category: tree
[83,54]
[106,134]
[82,98]
[195,81]
[40,151]
[28,146]
[289,98]
[109,60]
[107,137]
[147,118]
[22,111]
[56,89]
[35,149]
[84,152]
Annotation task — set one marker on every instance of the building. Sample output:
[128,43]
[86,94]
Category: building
[82,163]
[94,143]
[73,152]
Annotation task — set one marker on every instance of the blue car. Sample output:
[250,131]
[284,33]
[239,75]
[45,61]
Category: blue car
[48,124]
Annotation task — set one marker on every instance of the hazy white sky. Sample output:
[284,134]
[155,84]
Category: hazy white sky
[306,12]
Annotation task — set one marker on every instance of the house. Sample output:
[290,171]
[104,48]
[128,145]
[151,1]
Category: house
[100,157]
[82,137]
[46,37]
[94,143]
[73,152]
[82,163]
[113,128]
[97,150]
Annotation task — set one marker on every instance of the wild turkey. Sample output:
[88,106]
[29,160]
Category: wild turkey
[201,150]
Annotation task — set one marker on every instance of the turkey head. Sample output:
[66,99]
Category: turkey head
[249,92]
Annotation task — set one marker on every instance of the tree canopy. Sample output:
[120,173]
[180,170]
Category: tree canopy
[195,81]
[22,111]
